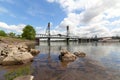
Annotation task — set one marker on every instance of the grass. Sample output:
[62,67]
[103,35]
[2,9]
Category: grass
[14,40]
[18,72]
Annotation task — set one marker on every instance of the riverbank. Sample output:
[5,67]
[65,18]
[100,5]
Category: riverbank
[9,40]
[16,51]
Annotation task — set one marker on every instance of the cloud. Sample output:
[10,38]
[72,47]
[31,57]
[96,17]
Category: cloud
[50,1]
[34,10]
[12,28]
[8,1]
[3,10]
[88,18]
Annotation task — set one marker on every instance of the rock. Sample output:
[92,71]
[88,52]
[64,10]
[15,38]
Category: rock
[80,54]
[16,54]
[1,59]
[22,45]
[23,49]
[34,51]
[63,52]
[28,77]
[17,58]
[67,56]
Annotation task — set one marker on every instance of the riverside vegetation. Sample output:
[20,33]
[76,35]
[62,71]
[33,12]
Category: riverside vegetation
[16,50]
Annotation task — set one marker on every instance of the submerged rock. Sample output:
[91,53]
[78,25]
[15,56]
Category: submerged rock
[28,77]
[67,56]
[80,54]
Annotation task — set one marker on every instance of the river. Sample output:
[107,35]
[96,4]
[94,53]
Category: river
[102,62]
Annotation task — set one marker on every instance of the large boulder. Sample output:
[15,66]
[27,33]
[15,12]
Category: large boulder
[34,51]
[27,77]
[16,54]
[67,56]
[17,58]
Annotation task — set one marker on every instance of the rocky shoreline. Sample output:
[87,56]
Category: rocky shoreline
[15,51]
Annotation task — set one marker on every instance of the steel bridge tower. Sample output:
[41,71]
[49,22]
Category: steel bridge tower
[48,33]
[68,32]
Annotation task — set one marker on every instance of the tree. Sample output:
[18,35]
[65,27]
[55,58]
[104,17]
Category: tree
[11,34]
[29,32]
[2,33]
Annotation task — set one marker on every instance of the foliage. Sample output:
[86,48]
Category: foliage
[18,72]
[29,32]
[2,33]
[18,36]
[11,34]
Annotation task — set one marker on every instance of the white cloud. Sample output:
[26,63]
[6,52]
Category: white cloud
[50,1]
[3,10]
[6,11]
[12,28]
[90,18]
[8,1]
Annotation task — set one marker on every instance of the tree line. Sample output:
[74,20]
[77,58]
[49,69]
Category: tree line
[28,33]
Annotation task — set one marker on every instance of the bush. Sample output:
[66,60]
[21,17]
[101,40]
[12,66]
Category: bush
[2,33]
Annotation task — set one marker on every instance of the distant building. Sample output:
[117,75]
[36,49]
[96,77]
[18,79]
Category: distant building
[108,39]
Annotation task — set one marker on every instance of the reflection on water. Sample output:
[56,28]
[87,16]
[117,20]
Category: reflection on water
[24,70]
[10,72]
[101,63]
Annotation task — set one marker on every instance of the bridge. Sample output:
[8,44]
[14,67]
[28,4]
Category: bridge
[58,36]
[67,37]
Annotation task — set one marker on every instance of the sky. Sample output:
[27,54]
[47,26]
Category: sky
[85,18]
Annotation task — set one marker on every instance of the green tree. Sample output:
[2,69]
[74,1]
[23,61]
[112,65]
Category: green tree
[2,33]
[29,32]
[11,34]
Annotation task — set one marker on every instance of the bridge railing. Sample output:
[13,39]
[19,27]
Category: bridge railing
[45,36]
[58,36]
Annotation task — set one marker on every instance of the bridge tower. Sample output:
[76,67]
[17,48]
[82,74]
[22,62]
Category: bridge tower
[68,32]
[48,32]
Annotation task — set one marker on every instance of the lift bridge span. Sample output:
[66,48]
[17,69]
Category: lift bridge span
[67,37]
[58,36]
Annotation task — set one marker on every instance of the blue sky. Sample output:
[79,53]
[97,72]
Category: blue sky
[36,13]
[86,18]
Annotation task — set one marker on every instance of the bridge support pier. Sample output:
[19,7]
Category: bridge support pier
[67,41]
[48,41]
[79,40]
[37,41]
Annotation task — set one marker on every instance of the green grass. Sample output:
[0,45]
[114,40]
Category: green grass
[18,72]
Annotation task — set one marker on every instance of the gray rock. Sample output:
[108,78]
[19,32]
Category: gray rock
[1,59]
[34,51]
[15,54]
[28,77]
[67,56]
[80,54]
[17,58]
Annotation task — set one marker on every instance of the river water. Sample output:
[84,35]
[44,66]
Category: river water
[102,62]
